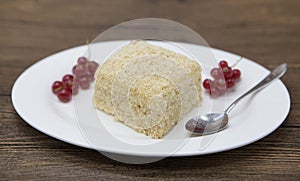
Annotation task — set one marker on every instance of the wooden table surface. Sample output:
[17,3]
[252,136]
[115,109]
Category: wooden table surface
[267,31]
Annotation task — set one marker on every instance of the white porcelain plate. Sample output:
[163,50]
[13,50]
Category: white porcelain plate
[252,119]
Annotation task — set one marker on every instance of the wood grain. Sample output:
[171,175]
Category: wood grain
[266,31]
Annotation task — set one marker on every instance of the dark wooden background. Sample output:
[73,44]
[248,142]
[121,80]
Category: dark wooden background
[267,31]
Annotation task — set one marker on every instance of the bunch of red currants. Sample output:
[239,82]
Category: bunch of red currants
[224,78]
[83,74]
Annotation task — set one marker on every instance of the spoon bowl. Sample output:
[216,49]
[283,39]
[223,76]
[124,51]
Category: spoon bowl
[207,123]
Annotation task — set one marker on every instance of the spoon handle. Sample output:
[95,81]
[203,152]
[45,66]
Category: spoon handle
[276,73]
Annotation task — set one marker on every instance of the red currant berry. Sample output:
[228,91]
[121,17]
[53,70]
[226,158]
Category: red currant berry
[82,61]
[68,79]
[236,74]
[92,67]
[216,73]
[227,71]
[223,64]
[220,84]
[57,86]
[230,83]
[214,92]
[80,70]
[84,82]
[65,95]
[206,84]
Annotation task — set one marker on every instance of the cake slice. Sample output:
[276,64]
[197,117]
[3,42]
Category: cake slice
[147,87]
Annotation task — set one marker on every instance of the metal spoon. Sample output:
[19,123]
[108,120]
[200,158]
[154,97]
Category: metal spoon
[214,122]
